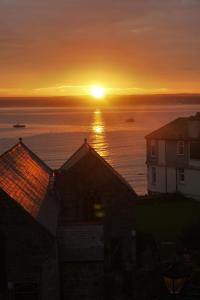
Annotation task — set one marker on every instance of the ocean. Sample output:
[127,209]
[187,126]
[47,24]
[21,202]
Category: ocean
[54,133]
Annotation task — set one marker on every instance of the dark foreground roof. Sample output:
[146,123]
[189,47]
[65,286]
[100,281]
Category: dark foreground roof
[28,181]
[175,130]
[83,151]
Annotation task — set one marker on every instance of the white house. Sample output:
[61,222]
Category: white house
[173,158]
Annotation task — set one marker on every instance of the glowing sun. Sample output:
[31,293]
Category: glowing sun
[97,91]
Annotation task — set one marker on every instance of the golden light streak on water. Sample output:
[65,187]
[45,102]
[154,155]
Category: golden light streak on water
[98,131]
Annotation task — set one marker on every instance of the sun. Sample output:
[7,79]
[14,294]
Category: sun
[97,91]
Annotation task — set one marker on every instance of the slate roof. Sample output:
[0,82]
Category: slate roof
[175,130]
[28,181]
[83,151]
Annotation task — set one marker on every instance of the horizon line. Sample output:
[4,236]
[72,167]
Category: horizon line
[106,96]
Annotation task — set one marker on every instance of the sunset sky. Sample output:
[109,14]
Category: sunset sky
[62,47]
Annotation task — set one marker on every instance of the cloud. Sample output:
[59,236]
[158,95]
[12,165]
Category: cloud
[49,38]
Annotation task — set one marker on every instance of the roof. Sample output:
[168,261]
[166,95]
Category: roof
[176,130]
[27,180]
[83,151]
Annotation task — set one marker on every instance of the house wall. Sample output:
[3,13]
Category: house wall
[165,180]
[171,180]
[161,152]
[81,255]
[151,159]
[166,153]
[81,242]
[28,249]
[191,186]
[82,280]
[90,179]
[160,185]
[194,163]
[166,163]
[172,158]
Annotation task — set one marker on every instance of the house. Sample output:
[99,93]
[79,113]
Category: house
[28,222]
[64,234]
[96,225]
[173,157]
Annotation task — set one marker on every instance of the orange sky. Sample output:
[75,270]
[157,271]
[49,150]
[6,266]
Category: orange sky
[50,47]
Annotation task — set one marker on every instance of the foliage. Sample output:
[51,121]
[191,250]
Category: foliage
[166,217]
[190,236]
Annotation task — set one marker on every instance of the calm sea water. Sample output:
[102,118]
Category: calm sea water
[55,133]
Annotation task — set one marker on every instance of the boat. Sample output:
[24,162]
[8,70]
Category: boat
[19,126]
[130,120]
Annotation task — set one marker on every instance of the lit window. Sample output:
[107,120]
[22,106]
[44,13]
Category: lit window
[180,147]
[153,175]
[181,175]
[153,148]
[98,211]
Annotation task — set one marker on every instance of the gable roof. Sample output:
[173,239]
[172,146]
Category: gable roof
[178,129]
[82,152]
[27,180]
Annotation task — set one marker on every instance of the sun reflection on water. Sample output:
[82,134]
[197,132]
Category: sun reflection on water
[98,138]
[98,129]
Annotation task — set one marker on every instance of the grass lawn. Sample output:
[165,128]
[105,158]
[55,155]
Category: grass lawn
[165,217]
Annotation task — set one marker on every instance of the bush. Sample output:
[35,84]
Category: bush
[190,237]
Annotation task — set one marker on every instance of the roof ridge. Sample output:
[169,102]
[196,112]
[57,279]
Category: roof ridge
[74,154]
[90,148]
[124,181]
[33,155]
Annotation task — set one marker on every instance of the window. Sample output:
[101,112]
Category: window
[93,209]
[195,150]
[98,211]
[153,175]
[180,147]
[181,175]
[153,148]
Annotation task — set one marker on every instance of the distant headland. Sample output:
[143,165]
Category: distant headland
[122,100]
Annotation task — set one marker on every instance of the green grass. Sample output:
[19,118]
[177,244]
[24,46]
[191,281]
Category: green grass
[166,218]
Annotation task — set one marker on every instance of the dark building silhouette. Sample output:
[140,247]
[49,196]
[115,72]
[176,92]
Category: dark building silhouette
[64,234]
[97,217]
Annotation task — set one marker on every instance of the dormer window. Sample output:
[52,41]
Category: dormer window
[180,148]
[153,148]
